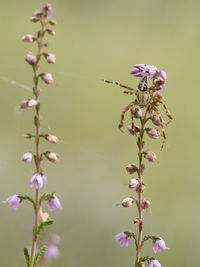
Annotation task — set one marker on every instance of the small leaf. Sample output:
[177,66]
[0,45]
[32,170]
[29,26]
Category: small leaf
[39,254]
[27,257]
[45,197]
[43,224]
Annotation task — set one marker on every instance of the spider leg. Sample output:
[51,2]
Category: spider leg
[121,124]
[166,110]
[128,92]
[119,84]
[132,120]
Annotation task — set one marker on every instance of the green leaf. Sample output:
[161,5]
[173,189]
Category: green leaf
[43,224]
[26,197]
[141,260]
[27,257]
[39,254]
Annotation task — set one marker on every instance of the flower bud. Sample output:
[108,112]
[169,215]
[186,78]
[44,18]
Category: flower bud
[131,168]
[51,32]
[146,204]
[47,78]
[28,135]
[51,59]
[29,103]
[47,8]
[140,188]
[54,203]
[133,183]
[137,113]
[150,156]
[27,157]
[153,133]
[52,157]
[127,202]
[51,138]
[52,22]
[156,120]
[30,58]
[28,38]
[129,128]
[34,19]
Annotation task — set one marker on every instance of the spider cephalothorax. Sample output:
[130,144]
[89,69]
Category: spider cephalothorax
[146,96]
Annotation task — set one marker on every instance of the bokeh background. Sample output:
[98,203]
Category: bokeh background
[94,40]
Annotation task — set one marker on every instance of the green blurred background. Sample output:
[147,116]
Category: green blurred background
[94,40]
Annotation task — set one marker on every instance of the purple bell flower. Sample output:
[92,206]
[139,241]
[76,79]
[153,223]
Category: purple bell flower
[122,239]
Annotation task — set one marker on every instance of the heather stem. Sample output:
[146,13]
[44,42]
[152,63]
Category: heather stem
[37,140]
[140,171]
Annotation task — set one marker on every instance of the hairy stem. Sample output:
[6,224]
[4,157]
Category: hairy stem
[140,180]
[37,140]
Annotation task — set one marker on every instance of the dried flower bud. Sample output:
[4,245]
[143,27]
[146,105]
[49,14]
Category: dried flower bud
[27,157]
[133,183]
[30,58]
[34,19]
[140,188]
[131,168]
[47,78]
[52,22]
[51,59]
[150,156]
[153,133]
[52,157]
[131,131]
[29,103]
[127,202]
[51,32]
[28,135]
[51,138]
[137,113]
[156,120]
[145,204]
[28,38]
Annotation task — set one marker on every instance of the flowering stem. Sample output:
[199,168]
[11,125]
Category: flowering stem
[37,139]
[140,171]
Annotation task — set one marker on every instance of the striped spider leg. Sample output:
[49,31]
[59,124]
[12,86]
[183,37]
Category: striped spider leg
[127,108]
[120,84]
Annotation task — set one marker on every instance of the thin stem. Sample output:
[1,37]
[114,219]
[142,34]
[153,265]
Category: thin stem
[140,171]
[37,140]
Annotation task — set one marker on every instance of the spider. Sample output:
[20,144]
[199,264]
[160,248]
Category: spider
[146,96]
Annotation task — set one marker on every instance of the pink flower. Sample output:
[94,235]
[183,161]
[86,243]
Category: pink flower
[47,78]
[51,138]
[30,58]
[156,120]
[142,70]
[154,263]
[159,244]
[51,59]
[27,157]
[131,168]
[44,178]
[132,183]
[13,201]
[122,239]
[129,128]
[28,38]
[56,239]
[150,156]
[36,181]
[145,204]
[54,203]
[29,103]
[137,113]
[48,8]
[52,157]
[163,75]
[153,133]
[127,202]
[52,252]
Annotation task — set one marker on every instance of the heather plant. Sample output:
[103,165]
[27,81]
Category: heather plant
[38,179]
[144,109]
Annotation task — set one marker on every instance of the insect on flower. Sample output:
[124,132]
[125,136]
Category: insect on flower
[147,95]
